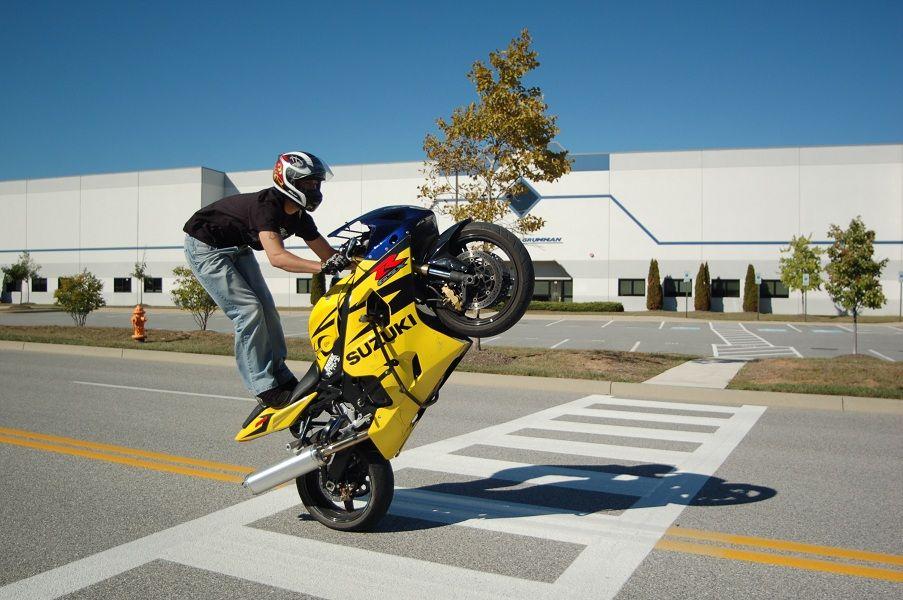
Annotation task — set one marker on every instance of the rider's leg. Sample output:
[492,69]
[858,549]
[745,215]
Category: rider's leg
[216,270]
[249,268]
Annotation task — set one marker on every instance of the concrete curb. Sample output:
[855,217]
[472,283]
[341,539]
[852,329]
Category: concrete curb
[639,391]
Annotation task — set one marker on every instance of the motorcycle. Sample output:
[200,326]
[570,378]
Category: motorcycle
[386,338]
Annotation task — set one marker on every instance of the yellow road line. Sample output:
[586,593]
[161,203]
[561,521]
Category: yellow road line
[744,540]
[780,560]
[125,450]
[124,460]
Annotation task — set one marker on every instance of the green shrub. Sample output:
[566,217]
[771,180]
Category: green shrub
[702,292]
[188,294]
[317,287]
[750,291]
[654,293]
[79,295]
[577,306]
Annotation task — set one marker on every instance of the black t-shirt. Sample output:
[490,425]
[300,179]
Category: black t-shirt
[238,220]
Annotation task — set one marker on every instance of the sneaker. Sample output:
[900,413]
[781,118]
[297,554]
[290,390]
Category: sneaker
[275,398]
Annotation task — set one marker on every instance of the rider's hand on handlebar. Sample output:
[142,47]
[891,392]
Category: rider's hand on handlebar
[335,263]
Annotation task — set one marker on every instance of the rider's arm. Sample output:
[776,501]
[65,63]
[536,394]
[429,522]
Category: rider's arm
[281,258]
[321,247]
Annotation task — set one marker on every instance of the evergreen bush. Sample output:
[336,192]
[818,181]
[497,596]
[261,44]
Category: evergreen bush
[317,287]
[654,293]
[750,291]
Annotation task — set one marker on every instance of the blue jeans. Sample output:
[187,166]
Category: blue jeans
[233,279]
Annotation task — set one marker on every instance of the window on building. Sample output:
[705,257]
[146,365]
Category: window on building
[674,288]
[553,290]
[725,288]
[122,285]
[774,288]
[39,284]
[631,287]
[302,285]
[153,285]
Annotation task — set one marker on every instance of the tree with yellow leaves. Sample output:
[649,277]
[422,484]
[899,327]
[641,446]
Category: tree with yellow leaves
[490,147]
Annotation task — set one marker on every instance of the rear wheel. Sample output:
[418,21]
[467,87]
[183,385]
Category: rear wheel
[503,283]
[358,498]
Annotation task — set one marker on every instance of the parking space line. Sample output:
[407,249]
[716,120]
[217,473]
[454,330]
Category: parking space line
[844,328]
[887,358]
[635,346]
[490,340]
[794,328]
[559,343]
[661,325]
[554,322]
[607,324]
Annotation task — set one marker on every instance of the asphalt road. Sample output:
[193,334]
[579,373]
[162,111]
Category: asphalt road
[503,492]
[698,338]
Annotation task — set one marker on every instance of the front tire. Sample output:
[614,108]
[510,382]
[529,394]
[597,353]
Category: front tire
[501,260]
[358,500]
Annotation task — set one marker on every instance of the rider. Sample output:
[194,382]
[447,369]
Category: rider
[218,245]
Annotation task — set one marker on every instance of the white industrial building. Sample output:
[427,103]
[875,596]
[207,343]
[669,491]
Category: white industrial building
[604,221]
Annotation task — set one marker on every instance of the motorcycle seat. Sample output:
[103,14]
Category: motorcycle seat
[306,384]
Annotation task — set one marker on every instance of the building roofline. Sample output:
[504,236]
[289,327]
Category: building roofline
[401,162]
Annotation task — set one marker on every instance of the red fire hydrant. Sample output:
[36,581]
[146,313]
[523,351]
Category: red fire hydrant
[138,321]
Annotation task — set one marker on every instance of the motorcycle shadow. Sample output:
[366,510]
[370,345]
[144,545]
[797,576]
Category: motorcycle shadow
[626,487]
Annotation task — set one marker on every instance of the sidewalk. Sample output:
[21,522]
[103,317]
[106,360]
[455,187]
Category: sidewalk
[702,372]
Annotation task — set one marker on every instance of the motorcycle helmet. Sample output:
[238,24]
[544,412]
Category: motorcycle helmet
[293,167]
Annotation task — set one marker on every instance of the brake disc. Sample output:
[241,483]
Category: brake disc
[488,278]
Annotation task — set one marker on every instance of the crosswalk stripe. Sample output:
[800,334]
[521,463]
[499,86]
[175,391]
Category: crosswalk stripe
[577,479]
[643,416]
[670,435]
[670,457]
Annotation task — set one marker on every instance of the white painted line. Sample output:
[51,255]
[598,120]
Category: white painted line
[844,328]
[554,322]
[793,328]
[754,335]
[895,329]
[671,405]
[648,455]
[642,416]
[661,325]
[887,358]
[715,331]
[635,346]
[490,340]
[715,350]
[607,324]
[159,391]
[561,342]
[560,476]
[795,351]
[669,435]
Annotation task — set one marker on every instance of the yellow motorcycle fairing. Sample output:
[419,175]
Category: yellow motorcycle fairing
[424,355]
[274,419]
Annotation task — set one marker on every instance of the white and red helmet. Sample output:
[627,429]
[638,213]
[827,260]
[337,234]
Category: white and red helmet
[291,168]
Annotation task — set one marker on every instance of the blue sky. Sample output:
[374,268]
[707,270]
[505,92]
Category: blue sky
[97,86]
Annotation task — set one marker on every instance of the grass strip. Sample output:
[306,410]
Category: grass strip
[840,376]
[601,365]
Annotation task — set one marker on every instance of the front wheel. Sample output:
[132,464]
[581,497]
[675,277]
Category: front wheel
[503,285]
[357,498]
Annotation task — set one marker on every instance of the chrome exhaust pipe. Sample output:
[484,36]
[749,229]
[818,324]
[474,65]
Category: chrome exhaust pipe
[303,463]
